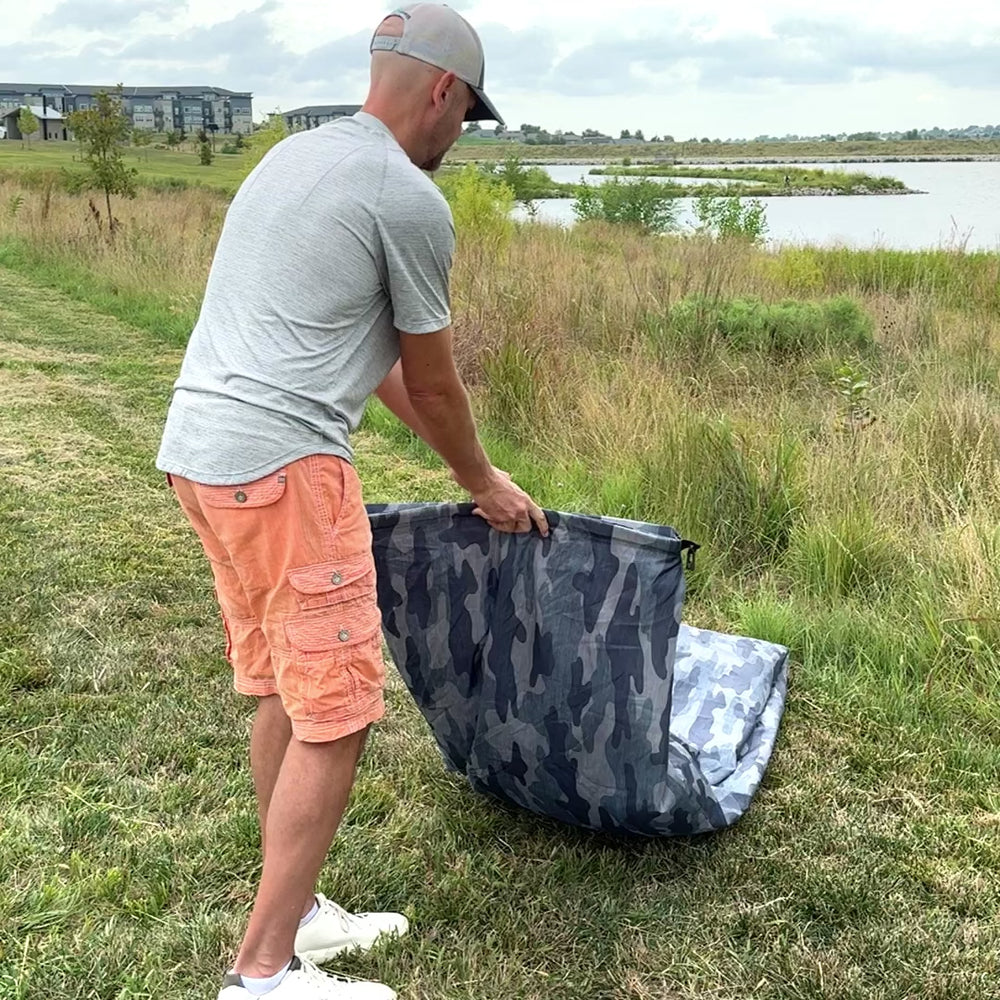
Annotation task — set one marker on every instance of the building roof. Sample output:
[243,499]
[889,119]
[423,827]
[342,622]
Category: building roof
[49,114]
[89,90]
[317,110]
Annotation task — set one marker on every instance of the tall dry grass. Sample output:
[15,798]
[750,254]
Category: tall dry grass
[156,264]
[888,525]
[884,533]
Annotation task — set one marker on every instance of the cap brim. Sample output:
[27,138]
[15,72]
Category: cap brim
[484,110]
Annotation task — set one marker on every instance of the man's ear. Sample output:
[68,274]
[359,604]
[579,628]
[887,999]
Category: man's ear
[443,89]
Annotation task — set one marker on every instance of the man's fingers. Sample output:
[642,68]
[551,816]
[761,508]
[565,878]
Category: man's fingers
[508,526]
[541,522]
[520,524]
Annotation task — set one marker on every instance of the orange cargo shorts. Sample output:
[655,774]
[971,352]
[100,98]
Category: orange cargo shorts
[291,554]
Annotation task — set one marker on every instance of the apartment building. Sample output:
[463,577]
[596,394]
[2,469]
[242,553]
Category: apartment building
[314,115]
[157,109]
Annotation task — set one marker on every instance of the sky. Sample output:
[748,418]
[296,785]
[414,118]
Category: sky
[713,68]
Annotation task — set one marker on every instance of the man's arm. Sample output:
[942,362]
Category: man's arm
[427,394]
[392,392]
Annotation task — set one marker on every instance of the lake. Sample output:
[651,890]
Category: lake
[961,208]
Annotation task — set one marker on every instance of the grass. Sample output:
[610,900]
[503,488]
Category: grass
[157,168]
[867,865]
[775,152]
[765,181]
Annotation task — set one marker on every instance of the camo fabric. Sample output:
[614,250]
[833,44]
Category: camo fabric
[555,673]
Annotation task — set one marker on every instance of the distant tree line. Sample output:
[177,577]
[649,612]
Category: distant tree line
[536,135]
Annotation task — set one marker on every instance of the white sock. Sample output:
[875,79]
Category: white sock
[312,913]
[258,987]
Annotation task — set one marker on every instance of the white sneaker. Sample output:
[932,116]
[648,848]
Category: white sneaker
[333,931]
[304,981]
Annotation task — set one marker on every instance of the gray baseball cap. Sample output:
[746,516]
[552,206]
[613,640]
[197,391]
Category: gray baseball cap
[436,34]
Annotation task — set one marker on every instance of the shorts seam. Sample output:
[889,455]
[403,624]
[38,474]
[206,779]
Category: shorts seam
[254,689]
[343,724]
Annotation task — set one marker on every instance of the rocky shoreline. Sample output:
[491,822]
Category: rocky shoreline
[860,191]
[763,160]
[705,161]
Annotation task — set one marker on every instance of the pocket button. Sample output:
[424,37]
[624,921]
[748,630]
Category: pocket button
[336,579]
[241,497]
[344,635]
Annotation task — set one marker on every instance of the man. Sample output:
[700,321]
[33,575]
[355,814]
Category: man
[330,281]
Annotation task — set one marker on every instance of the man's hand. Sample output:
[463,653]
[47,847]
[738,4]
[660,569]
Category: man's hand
[506,507]
[426,393]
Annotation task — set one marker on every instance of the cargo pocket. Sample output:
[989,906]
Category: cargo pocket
[330,584]
[347,617]
[336,648]
[260,493]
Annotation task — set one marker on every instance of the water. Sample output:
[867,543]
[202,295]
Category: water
[961,208]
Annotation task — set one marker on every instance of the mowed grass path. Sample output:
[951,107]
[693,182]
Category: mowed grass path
[867,867]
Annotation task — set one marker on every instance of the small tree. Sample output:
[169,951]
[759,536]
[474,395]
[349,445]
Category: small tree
[205,154]
[101,130]
[27,123]
[265,138]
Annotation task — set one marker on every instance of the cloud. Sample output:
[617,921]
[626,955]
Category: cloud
[342,58]
[798,52]
[101,15]
[244,39]
[959,61]
[239,54]
[517,59]
[242,53]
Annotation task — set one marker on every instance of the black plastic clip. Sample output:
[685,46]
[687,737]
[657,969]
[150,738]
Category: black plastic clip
[692,548]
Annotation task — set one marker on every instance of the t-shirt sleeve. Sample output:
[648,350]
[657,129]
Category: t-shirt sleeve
[418,240]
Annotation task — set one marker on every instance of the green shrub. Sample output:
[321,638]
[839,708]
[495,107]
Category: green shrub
[167,183]
[797,269]
[481,210]
[643,203]
[263,140]
[48,179]
[731,218]
[749,324]
[526,183]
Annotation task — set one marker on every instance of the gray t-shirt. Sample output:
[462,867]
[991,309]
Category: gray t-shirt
[334,243]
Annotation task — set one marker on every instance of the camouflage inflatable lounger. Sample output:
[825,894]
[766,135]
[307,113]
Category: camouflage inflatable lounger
[555,673]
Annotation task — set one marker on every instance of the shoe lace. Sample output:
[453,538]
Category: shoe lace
[346,919]
[327,983]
